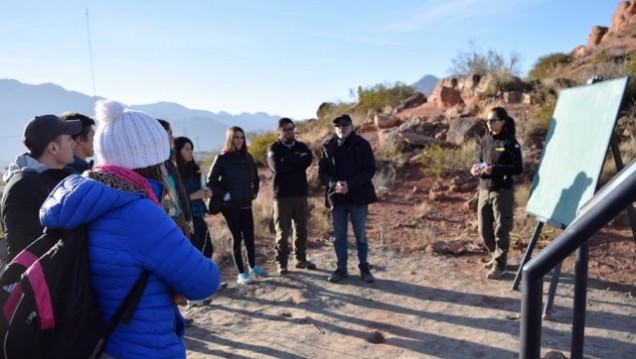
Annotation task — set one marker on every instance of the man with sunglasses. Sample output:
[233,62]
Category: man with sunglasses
[346,168]
[288,159]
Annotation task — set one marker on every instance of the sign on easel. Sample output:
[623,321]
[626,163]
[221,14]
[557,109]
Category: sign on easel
[574,152]
[575,149]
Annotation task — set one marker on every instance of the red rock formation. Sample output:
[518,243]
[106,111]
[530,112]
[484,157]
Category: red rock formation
[624,15]
[596,35]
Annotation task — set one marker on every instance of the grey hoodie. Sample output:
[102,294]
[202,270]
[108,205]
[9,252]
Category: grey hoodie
[21,163]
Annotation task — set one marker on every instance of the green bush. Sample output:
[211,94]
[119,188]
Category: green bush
[259,141]
[448,161]
[631,66]
[504,82]
[377,97]
[326,113]
[539,120]
[546,65]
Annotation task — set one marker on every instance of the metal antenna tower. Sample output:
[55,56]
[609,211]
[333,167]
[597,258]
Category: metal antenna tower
[90,48]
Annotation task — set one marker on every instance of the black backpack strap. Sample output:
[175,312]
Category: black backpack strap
[124,313]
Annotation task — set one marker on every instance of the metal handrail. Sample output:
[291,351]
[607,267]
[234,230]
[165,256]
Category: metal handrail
[613,198]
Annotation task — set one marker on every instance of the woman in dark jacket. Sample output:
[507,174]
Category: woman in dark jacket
[233,177]
[499,160]
[190,174]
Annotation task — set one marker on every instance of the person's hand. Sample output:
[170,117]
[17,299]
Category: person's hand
[177,298]
[487,170]
[342,187]
[207,193]
[475,171]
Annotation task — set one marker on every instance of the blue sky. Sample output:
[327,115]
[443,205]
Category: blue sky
[283,57]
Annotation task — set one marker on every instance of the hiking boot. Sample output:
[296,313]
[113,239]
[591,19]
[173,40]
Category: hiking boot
[337,276]
[305,265]
[258,272]
[243,278]
[495,272]
[488,264]
[282,269]
[365,273]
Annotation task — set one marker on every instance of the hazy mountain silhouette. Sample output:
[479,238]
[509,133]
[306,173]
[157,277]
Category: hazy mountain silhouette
[426,84]
[20,102]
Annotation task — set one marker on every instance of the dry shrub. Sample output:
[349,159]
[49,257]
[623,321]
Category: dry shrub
[522,193]
[263,210]
[319,216]
[391,151]
[425,235]
[313,180]
[221,241]
[627,151]
[423,209]
[384,178]
[523,229]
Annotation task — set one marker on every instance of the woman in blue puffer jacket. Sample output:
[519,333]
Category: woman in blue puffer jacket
[129,232]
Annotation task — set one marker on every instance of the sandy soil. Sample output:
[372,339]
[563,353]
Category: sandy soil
[423,305]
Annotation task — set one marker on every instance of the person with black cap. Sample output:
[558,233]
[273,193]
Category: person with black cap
[346,167]
[33,176]
[83,142]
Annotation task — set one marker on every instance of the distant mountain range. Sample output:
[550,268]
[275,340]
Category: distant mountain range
[20,102]
[426,84]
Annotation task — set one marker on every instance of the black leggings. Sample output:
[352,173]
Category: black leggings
[240,222]
[201,237]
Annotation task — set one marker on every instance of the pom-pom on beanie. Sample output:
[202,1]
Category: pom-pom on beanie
[127,138]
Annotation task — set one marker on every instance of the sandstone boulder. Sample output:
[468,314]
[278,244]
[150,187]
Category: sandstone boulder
[464,128]
[413,101]
[386,120]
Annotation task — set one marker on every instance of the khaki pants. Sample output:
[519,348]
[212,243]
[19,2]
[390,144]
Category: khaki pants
[494,211]
[290,213]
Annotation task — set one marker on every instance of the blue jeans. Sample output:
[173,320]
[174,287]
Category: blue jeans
[340,215]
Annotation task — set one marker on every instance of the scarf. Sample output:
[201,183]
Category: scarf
[123,179]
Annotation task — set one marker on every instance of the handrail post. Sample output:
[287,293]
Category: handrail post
[580,299]
[532,293]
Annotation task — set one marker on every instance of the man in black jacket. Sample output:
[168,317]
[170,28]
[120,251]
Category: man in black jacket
[346,168]
[288,159]
[33,175]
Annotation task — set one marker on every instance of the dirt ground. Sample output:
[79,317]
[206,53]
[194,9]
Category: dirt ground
[424,304]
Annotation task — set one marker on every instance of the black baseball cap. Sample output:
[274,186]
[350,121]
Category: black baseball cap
[41,130]
[342,120]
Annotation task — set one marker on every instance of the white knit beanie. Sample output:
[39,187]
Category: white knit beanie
[127,138]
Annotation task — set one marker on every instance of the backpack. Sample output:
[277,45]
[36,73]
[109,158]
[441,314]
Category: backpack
[48,307]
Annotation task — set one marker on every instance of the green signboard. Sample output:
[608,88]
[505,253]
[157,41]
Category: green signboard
[575,149]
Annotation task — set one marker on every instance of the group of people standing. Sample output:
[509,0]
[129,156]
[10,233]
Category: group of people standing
[144,206]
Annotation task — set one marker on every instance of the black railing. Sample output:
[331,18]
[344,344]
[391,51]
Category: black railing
[613,198]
